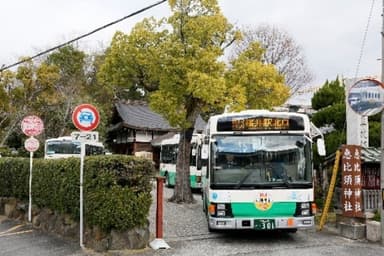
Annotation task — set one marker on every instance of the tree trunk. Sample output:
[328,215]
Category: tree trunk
[182,192]
[11,128]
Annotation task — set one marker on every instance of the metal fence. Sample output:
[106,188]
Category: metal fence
[371,199]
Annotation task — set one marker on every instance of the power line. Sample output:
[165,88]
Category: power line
[364,38]
[82,36]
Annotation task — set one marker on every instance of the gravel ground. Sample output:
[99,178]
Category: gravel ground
[180,221]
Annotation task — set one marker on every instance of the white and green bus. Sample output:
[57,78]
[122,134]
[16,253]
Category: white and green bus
[66,146]
[168,157]
[259,172]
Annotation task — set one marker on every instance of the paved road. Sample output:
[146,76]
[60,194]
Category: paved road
[186,232]
[19,239]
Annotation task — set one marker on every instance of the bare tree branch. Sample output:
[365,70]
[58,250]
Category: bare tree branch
[281,51]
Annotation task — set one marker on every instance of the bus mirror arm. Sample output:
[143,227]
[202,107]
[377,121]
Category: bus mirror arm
[321,147]
[204,151]
[318,135]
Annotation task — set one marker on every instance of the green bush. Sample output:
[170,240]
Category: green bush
[14,177]
[118,191]
[116,187]
[376,217]
[55,185]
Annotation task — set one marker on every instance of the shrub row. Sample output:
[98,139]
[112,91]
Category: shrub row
[116,187]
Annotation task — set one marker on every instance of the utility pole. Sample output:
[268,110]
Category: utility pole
[381,204]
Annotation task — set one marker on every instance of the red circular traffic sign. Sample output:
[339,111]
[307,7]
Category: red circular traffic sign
[31,144]
[32,125]
[85,117]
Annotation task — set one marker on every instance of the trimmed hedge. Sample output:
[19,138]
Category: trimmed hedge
[14,178]
[116,187]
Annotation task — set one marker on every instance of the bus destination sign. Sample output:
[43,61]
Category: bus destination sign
[260,123]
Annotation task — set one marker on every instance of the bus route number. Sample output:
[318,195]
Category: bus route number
[85,136]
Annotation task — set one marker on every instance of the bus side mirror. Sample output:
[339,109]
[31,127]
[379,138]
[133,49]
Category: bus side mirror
[204,151]
[321,147]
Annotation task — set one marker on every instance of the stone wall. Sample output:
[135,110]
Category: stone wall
[63,225]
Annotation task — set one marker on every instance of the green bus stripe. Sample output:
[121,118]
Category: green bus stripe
[281,209]
[172,178]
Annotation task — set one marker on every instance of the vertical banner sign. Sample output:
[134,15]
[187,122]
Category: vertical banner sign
[351,186]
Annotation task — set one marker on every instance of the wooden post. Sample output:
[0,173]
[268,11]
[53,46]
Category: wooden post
[159,243]
[330,191]
[159,207]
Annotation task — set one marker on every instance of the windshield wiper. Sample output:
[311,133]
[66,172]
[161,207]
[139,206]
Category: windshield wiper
[244,186]
[282,184]
[263,185]
[292,184]
[241,182]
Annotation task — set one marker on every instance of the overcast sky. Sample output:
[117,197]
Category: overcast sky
[330,32]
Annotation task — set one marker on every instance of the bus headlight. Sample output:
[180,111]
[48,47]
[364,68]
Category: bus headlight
[220,209]
[303,209]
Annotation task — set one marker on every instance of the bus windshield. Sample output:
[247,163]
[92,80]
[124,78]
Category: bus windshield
[272,160]
[63,147]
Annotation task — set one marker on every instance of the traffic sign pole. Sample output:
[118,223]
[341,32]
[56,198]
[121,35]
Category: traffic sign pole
[31,126]
[82,154]
[86,118]
[30,187]
[381,203]
[31,144]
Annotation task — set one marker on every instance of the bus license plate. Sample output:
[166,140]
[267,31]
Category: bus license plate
[264,224]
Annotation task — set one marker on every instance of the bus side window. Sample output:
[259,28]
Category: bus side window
[198,159]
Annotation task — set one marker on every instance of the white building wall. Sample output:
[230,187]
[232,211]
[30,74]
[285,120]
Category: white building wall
[143,136]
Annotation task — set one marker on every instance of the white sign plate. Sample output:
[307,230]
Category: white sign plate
[85,136]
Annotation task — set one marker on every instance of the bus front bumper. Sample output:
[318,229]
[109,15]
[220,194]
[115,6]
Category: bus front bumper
[262,223]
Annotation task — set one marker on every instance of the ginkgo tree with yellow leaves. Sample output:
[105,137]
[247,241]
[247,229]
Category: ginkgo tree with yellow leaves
[177,64]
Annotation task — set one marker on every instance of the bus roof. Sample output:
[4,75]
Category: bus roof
[63,138]
[69,139]
[176,138]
